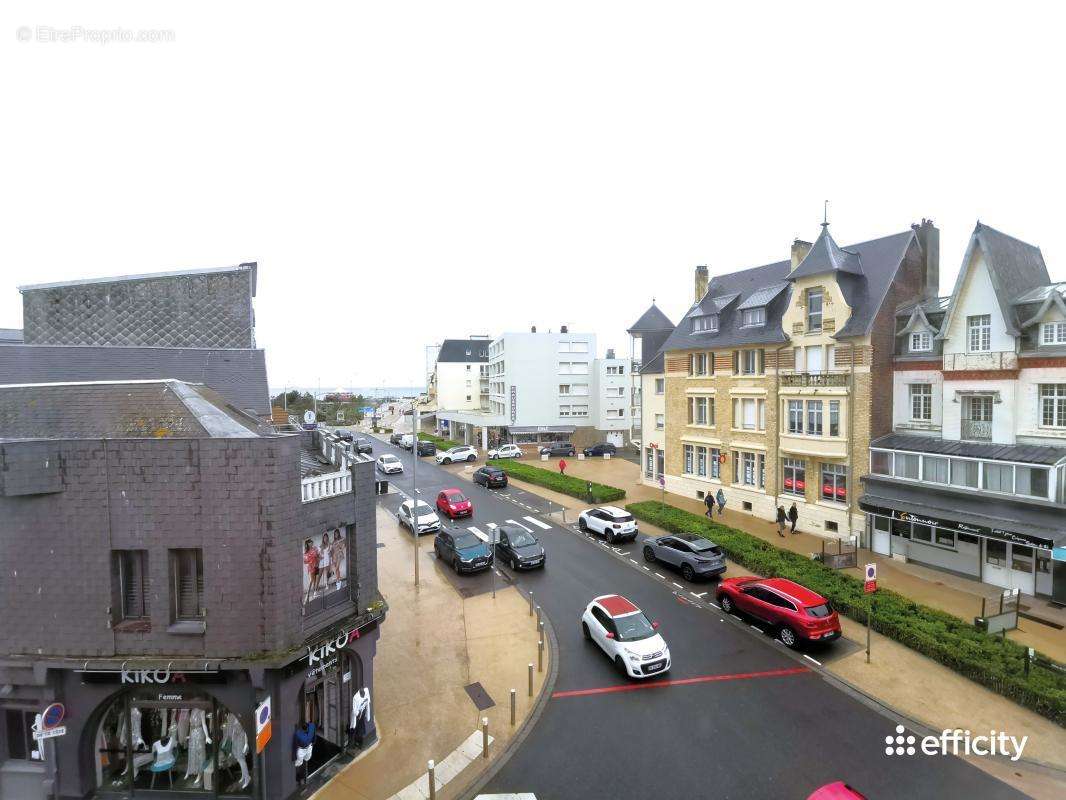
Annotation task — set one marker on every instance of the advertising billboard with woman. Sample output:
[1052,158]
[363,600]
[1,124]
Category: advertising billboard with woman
[325,564]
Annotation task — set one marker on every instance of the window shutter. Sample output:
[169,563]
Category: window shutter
[760,365]
[691,402]
[736,362]
[189,584]
[710,363]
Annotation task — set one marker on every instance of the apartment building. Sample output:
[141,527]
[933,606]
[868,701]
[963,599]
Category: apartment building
[770,377]
[973,477]
[647,336]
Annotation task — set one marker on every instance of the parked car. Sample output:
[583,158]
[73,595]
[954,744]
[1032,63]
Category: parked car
[462,453]
[603,448]
[428,521]
[395,438]
[362,445]
[454,504]
[343,435]
[407,441]
[491,477]
[627,637]
[389,464]
[558,449]
[426,448]
[518,547]
[695,556]
[616,524]
[838,790]
[463,550]
[506,451]
[794,611]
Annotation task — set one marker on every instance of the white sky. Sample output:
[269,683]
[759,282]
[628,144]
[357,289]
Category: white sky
[506,164]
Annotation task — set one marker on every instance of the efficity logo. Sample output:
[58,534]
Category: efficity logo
[956,742]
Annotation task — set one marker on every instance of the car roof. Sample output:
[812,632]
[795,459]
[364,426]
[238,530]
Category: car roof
[616,605]
[690,537]
[614,511]
[388,456]
[800,594]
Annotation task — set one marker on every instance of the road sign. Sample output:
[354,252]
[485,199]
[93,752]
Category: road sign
[871,578]
[309,417]
[50,733]
[662,481]
[52,716]
[262,724]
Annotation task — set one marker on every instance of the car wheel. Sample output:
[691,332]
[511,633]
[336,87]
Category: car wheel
[585,631]
[726,603]
[788,637]
[582,525]
[688,573]
[621,665]
[514,564]
[609,537]
[649,555]
[446,461]
[455,564]
[472,458]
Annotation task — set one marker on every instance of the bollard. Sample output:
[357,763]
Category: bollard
[538,616]
[513,695]
[531,604]
[432,782]
[540,629]
[485,736]
[540,656]
[531,679]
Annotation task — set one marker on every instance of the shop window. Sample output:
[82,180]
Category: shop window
[701,462]
[996,552]
[795,476]
[130,584]
[1043,561]
[835,482]
[922,533]
[689,455]
[20,742]
[325,569]
[968,538]
[944,538]
[186,584]
[1021,558]
[716,462]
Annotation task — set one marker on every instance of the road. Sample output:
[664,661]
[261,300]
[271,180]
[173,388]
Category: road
[738,716]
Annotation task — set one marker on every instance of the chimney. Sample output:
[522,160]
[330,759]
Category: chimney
[610,353]
[564,329]
[929,238]
[800,249]
[533,329]
[701,282]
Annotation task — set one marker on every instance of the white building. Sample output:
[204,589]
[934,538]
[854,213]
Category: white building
[647,336]
[973,479]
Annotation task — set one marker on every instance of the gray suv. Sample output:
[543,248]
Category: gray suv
[695,556]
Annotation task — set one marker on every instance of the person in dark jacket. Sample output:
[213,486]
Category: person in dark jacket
[720,498]
[708,501]
[793,516]
[781,518]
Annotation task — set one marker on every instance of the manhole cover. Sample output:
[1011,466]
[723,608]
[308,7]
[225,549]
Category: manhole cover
[479,696]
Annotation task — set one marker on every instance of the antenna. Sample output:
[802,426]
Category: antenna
[825,214]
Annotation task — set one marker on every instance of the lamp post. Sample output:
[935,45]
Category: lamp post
[414,483]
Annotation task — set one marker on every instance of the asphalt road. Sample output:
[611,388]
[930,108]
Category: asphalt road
[732,729]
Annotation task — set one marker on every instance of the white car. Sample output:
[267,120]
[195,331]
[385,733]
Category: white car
[615,524]
[407,441]
[389,464]
[626,636]
[506,451]
[428,521]
[462,453]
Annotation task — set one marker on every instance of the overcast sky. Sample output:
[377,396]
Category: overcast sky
[407,172]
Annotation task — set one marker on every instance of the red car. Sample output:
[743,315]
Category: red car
[836,791]
[453,504]
[795,612]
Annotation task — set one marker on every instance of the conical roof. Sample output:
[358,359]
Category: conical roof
[827,256]
[651,321]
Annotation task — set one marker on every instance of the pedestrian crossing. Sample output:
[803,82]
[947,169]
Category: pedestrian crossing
[492,526]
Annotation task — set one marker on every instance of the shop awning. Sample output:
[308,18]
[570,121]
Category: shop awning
[991,516]
[541,429]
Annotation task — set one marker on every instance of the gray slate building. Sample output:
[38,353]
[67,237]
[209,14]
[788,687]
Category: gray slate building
[169,564]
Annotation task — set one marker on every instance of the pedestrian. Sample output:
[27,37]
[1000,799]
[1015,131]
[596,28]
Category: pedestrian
[781,521]
[708,501]
[720,497]
[562,466]
[793,516]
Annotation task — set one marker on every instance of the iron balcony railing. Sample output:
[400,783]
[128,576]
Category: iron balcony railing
[977,429]
[814,379]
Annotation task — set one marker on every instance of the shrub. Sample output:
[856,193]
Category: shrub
[442,444]
[992,661]
[564,484]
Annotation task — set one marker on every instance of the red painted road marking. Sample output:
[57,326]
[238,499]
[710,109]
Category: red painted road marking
[632,687]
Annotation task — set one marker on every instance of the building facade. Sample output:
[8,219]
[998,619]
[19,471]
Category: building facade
[770,377]
[647,336]
[979,408]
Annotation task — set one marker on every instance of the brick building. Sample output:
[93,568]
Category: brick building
[169,563]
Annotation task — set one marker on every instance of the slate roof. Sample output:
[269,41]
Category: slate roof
[763,296]
[826,256]
[455,351]
[118,410]
[653,343]
[1024,453]
[238,375]
[651,321]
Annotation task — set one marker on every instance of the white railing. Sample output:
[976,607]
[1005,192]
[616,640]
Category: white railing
[319,487]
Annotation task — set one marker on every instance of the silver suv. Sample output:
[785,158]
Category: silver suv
[695,556]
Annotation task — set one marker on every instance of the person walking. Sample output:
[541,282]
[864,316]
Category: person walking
[793,516]
[720,498]
[708,501]
[562,466]
[781,517]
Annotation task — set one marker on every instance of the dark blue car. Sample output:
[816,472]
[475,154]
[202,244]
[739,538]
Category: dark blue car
[463,550]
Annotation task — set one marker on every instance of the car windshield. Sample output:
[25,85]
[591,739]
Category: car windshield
[466,540]
[423,508]
[822,610]
[521,538]
[494,473]
[456,497]
[456,449]
[388,459]
[633,628]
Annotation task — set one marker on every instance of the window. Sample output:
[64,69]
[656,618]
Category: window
[979,333]
[615,391]
[660,422]
[698,364]
[573,347]
[130,574]
[795,478]
[187,584]
[921,401]
[921,342]
[750,317]
[1053,405]
[699,411]
[615,371]
[1031,481]
[660,386]
[964,473]
[20,743]
[814,417]
[565,411]
[944,538]
[795,416]
[564,388]
[834,417]
[996,552]
[934,469]
[815,362]
[835,482]
[701,461]
[907,465]
[649,466]
[747,473]
[762,470]
[749,414]
[814,309]
[705,323]
[998,477]
[1053,333]
[716,463]
[751,362]
[580,411]
[689,453]
[880,462]
[614,413]
[573,368]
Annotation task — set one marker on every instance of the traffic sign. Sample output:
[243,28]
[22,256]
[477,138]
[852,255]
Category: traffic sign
[52,716]
[662,481]
[871,578]
[309,417]
[50,733]
[262,724]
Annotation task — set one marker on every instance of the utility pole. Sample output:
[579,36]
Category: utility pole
[414,484]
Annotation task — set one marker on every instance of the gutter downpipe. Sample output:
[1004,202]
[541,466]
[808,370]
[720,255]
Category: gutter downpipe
[777,415]
[851,440]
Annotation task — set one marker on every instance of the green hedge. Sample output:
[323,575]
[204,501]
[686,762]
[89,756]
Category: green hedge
[564,484]
[992,661]
[442,444]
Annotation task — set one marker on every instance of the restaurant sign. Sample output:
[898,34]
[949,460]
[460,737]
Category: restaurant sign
[959,527]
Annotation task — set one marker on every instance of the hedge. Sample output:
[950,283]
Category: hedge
[992,661]
[442,444]
[564,484]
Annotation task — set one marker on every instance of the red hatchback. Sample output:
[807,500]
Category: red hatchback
[453,504]
[797,613]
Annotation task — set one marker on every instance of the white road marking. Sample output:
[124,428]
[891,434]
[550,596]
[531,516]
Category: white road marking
[678,585]
[756,628]
[520,525]
[657,575]
[715,605]
[632,561]
[621,552]
[647,569]
[538,523]
[819,663]
[701,594]
[483,537]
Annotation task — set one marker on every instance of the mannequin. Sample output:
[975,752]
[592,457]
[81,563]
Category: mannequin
[360,715]
[235,740]
[142,754]
[199,738]
[135,725]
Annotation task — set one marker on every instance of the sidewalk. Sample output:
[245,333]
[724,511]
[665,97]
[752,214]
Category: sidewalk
[934,588]
[434,643]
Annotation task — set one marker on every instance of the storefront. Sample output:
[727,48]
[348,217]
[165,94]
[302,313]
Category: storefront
[1007,544]
[537,434]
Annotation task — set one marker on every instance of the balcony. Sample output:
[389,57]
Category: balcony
[976,430]
[319,487]
[814,379]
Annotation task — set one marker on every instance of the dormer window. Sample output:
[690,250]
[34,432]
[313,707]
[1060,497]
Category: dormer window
[921,342]
[814,310]
[751,317]
[1053,333]
[706,323]
[979,333]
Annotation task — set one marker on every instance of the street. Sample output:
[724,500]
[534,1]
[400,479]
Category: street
[738,716]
